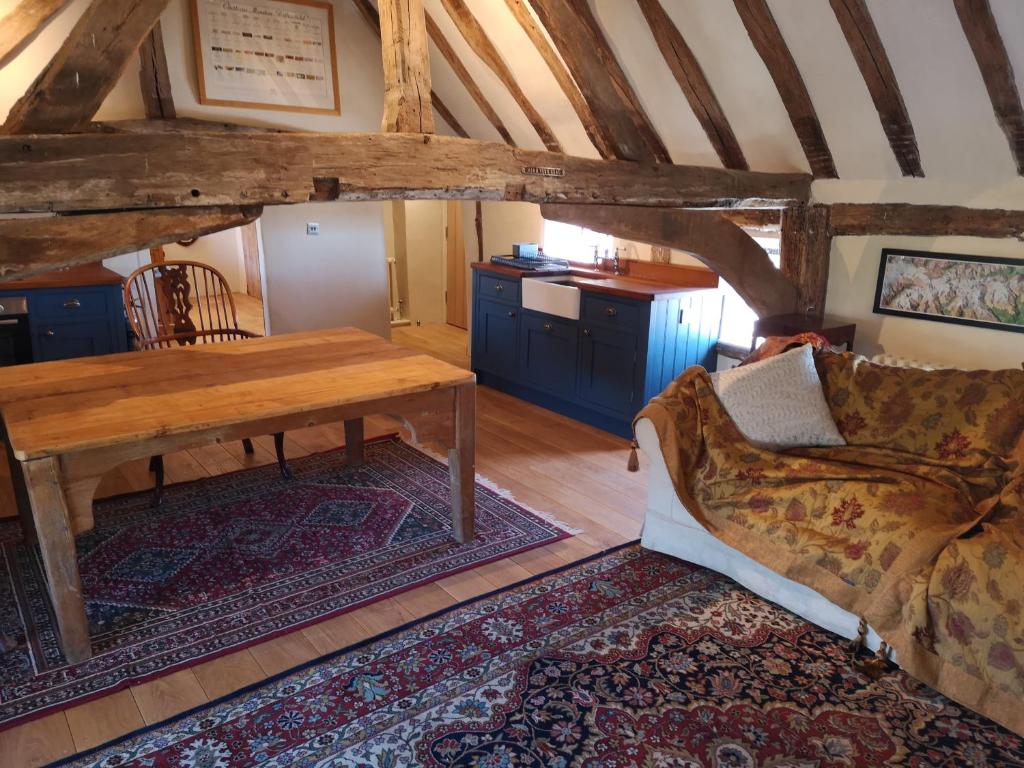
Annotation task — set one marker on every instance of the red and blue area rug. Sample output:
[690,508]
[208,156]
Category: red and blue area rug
[233,560]
[630,658]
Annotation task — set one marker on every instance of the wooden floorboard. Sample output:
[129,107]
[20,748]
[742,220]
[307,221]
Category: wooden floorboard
[556,465]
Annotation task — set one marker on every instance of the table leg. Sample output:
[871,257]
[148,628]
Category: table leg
[462,464]
[57,544]
[28,528]
[354,441]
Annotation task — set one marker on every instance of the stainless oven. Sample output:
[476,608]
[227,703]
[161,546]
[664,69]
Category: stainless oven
[15,339]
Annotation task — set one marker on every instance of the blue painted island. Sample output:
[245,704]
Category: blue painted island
[593,346]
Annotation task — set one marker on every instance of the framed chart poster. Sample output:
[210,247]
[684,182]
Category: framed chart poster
[267,54]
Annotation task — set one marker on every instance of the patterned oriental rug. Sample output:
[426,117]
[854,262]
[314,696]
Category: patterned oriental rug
[231,561]
[630,658]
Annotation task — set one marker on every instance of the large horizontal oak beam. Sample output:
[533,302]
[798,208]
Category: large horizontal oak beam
[113,171]
[716,242]
[866,219]
[31,245]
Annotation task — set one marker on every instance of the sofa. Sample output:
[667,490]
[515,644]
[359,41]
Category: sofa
[914,527]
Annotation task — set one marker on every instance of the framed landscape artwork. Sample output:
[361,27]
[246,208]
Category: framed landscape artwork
[267,54]
[971,290]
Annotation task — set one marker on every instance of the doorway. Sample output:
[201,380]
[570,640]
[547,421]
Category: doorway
[456,268]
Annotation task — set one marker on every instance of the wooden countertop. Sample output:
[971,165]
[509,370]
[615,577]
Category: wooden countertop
[73,277]
[615,285]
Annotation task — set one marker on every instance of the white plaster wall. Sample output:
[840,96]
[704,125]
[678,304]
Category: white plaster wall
[853,273]
[334,279]
[220,250]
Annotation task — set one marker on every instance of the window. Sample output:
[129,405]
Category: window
[567,241]
[737,317]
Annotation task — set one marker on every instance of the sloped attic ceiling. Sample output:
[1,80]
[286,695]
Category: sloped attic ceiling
[958,135]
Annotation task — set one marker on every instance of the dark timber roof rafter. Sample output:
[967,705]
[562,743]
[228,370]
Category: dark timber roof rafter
[578,38]
[154,79]
[873,62]
[996,70]
[572,92]
[85,68]
[767,39]
[482,46]
[468,82]
[24,21]
[694,84]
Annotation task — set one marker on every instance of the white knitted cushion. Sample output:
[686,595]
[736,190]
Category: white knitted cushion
[778,402]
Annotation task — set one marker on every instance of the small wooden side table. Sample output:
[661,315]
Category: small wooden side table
[838,333]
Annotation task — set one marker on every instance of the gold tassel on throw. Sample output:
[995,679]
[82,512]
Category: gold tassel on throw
[633,465]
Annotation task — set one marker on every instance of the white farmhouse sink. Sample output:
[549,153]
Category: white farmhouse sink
[552,295]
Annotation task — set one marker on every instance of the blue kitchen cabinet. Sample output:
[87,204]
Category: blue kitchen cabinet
[67,320]
[497,329]
[601,369]
[608,370]
[547,353]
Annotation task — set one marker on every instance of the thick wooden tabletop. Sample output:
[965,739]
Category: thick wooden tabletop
[61,407]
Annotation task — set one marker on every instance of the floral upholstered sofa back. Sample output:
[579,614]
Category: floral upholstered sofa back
[971,422]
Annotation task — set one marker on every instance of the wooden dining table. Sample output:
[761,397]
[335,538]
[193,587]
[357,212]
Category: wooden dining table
[67,423]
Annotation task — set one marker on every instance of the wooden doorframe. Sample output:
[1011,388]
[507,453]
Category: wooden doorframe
[456,278]
[251,260]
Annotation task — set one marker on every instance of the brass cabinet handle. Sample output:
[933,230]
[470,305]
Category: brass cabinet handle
[50,333]
[499,288]
[72,304]
[611,311]
[586,331]
[548,327]
[511,314]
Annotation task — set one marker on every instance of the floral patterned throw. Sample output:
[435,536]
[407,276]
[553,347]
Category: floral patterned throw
[917,524]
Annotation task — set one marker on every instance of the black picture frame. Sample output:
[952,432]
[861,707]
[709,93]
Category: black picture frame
[884,307]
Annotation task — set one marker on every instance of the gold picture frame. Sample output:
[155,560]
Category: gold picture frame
[232,53]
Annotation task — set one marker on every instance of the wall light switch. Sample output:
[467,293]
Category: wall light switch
[312,228]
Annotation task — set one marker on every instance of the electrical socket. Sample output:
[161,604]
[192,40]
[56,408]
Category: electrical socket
[312,228]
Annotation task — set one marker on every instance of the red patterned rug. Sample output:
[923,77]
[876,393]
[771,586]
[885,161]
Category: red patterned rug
[231,561]
[628,659]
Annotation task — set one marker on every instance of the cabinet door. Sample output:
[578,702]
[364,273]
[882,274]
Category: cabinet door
[607,371]
[62,341]
[495,329]
[547,354]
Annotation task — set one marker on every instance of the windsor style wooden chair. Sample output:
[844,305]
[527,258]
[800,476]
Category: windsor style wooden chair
[182,303]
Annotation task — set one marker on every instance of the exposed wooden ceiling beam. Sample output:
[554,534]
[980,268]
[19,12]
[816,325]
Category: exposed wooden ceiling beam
[482,46]
[694,84]
[22,23]
[86,67]
[869,53]
[996,70]
[154,79]
[175,125]
[403,32]
[765,219]
[582,45]
[925,220]
[526,20]
[30,246]
[467,79]
[770,45]
[112,171]
[805,249]
[369,13]
[716,242]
